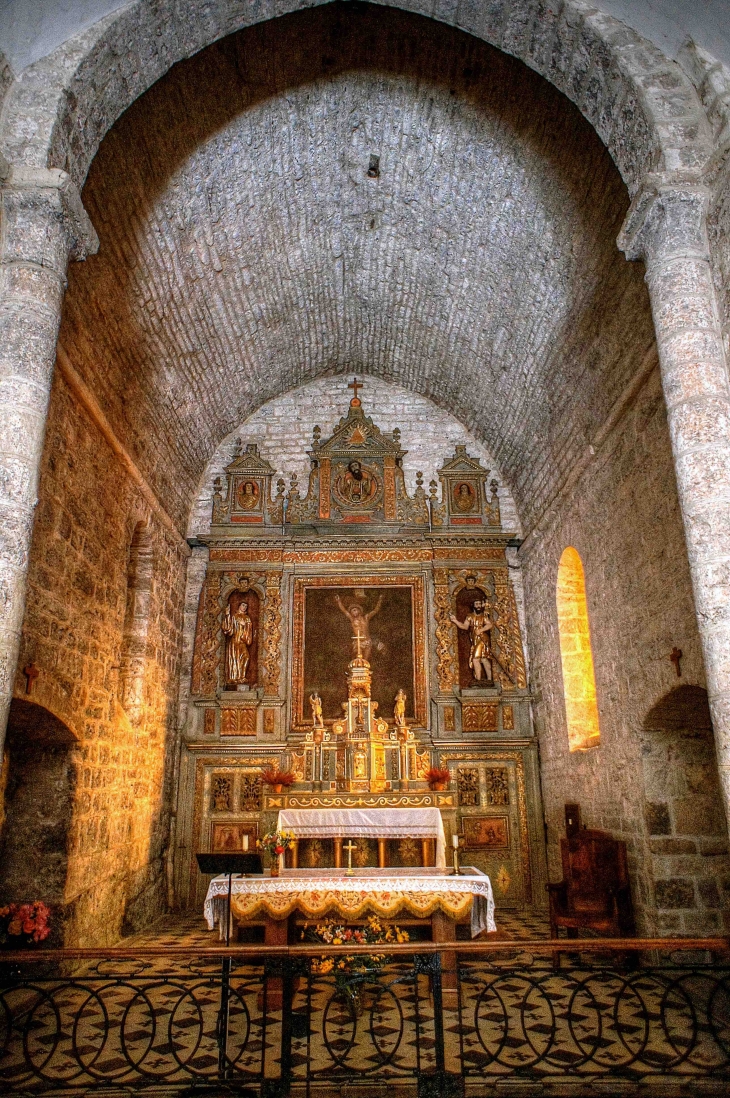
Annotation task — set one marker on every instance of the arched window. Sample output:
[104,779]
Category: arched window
[579,681]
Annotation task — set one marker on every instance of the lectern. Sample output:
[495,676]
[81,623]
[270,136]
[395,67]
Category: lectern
[227,864]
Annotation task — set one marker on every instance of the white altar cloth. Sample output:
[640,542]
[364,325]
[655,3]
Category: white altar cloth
[376,823]
[327,883]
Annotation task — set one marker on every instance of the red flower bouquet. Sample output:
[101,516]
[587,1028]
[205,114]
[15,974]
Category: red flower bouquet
[24,924]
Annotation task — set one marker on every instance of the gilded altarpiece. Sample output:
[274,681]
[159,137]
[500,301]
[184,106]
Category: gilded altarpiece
[397,616]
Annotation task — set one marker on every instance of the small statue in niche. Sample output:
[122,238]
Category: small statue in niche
[238,627]
[399,713]
[479,627]
[360,622]
[317,718]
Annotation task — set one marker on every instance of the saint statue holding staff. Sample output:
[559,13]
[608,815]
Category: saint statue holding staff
[238,627]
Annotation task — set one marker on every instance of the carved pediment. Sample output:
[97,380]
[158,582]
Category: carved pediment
[356,477]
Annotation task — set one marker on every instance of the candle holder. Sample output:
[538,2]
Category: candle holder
[457,870]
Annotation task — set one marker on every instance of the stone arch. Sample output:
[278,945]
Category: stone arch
[684,813]
[643,107]
[39,801]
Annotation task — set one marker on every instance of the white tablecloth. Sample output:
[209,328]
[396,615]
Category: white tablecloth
[326,880]
[376,823]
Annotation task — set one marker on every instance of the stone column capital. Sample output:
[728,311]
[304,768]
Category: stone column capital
[28,192]
[667,220]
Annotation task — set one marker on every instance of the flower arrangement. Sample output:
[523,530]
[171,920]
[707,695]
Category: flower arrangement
[26,923]
[438,777]
[276,842]
[352,969]
[278,778]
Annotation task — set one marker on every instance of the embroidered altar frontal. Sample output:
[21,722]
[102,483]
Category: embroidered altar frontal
[364,639]
[320,893]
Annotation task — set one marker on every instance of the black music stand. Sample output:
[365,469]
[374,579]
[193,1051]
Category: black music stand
[229,864]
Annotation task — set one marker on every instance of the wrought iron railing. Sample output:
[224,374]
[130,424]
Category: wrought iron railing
[269,1021]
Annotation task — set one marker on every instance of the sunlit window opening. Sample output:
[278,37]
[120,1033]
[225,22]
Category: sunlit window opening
[579,681]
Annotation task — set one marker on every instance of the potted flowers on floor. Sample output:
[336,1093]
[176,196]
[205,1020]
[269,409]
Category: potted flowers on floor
[275,843]
[23,925]
[278,779]
[354,974]
[438,778]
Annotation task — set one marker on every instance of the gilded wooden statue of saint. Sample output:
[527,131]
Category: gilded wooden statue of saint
[479,627]
[238,627]
[316,703]
[399,711]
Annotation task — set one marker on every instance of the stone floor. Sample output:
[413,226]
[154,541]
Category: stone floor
[184,930]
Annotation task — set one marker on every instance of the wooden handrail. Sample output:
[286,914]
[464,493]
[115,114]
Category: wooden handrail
[475,948]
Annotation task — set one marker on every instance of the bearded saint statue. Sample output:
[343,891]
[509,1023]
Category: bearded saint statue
[238,627]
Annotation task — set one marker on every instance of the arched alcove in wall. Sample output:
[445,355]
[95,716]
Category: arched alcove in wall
[39,798]
[684,814]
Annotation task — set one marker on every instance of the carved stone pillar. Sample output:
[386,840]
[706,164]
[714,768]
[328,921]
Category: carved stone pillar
[666,227]
[43,226]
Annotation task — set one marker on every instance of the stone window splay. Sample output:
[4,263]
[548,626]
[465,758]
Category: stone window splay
[579,681]
[136,623]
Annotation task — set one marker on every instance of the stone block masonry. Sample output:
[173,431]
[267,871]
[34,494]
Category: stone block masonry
[623,518]
[73,632]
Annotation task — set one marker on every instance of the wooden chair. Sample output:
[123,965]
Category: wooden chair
[594,894]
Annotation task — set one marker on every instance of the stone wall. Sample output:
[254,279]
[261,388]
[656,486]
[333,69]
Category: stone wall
[622,516]
[73,632]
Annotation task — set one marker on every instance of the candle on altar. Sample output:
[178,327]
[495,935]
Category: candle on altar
[245,842]
[455,841]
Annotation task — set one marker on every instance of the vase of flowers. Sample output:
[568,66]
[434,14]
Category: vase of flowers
[438,778]
[278,779]
[23,925]
[352,972]
[275,843]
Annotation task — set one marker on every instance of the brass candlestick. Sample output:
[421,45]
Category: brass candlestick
[349,847]
[456,860]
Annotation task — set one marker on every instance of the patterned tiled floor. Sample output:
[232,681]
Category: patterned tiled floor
[190,930]
[118,1022]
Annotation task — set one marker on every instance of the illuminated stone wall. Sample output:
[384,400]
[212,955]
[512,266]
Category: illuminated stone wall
[623,517]
[73,633]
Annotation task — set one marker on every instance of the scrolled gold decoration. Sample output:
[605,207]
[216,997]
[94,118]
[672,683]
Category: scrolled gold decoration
[207,638]
[272,633]
[445,661]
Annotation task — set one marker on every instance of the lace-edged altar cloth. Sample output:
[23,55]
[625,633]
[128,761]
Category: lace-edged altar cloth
[316,893]
[375,823]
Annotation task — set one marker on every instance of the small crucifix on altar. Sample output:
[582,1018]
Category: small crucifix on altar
[355,385]
[349,847]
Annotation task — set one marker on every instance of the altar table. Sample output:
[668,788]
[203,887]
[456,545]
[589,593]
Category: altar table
[424,893]
[376,823]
